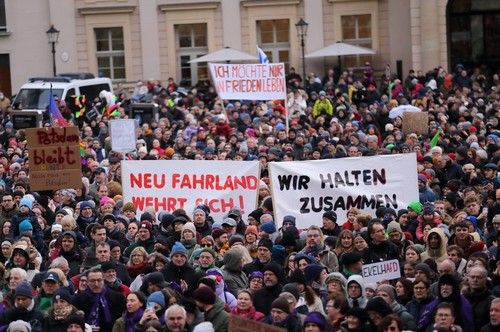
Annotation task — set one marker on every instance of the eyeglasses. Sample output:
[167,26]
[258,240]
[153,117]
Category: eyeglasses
[205,245]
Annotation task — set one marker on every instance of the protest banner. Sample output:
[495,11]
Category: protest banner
[167,185]
[54,155]
[307,189]
[240,324]
[122,134]
[249,81]
[417,123]
[386,270]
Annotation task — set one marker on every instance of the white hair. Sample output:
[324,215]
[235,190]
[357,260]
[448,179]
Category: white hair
[173,308]
[22,273]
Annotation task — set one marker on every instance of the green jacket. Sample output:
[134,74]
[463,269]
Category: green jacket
[218,317]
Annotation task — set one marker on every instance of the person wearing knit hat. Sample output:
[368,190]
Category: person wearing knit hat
[204,327]
[253,217]
[235,239]
[19,326]
[415,206]
[330,227]
[422,270]
[315,273]
[388,293]
[25,226]
[178,249]
[267,229]
[336,281]
[314,322]
[217,233]
[20,256]
[356,320]
[156,298]
[214,311]
[251,230]
[26,202]
[62,294]
[289,221]
[281,316]
[24,289]
[377,309]
[351,262]
[75,323]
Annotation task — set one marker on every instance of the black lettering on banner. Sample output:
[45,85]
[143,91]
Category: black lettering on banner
[305,201]
[329,203]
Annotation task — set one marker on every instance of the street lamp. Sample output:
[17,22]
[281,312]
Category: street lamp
[301,26]
[53,36]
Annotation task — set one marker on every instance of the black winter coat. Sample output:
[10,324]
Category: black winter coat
[263,298]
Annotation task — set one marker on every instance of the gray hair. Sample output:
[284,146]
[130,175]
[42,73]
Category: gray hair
[58,262]
[174,307]
[21,272]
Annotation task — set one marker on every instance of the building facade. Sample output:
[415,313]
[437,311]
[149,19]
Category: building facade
[130,40]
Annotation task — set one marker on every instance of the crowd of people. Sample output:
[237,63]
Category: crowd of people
[83,259]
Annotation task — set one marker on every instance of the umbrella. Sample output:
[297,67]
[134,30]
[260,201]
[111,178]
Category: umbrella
[338,49]
[225,54]
[398,111]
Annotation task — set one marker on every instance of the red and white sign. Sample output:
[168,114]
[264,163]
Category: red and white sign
[167,185]
[249,81]
[386,270]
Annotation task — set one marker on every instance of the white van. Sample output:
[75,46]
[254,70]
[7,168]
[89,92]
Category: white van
[34,95]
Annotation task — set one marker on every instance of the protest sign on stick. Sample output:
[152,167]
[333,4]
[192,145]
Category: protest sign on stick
[122,134]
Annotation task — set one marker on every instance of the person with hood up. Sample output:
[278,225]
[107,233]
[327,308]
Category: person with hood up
[221,288]
[232,271]
[178,270]
[449,291]
[388,293]
[87,215]
[20,258]
[397,237]
[435,245]
[429,215]
[356,294]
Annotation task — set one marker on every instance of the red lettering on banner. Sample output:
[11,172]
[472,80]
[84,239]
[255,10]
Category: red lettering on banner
[147,180]
[217,205]
[52,137]
[159,203]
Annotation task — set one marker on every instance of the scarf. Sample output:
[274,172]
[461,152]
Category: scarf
[99,302]
[188,244]
[131,319]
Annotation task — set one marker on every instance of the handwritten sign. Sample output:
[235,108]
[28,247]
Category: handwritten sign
[54,156]
[122,135]
[167,185]
[249,81]
[240,324]
[375,272]
[307,189]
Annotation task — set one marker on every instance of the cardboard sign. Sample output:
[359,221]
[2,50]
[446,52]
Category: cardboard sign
[386,270]
[417,123]
[264,81]
[307,189]
[167,185]
[240,324]
[122,134]
[54,155]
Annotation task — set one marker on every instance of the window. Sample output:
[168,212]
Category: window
[191,44]
[3,16]
[110,53]
[357,30]
[274,39]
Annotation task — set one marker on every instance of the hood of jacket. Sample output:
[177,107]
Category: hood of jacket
[232,260]
[441,251]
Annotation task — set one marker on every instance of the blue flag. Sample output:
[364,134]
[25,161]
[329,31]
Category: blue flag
[56,118]
[262,56]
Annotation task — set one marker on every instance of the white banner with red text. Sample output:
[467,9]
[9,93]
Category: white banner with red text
[167,185]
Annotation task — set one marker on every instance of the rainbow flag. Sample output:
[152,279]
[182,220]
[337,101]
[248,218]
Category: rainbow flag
[56,118]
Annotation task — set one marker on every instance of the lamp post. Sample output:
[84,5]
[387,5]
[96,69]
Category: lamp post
[53,36]
[301,26]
